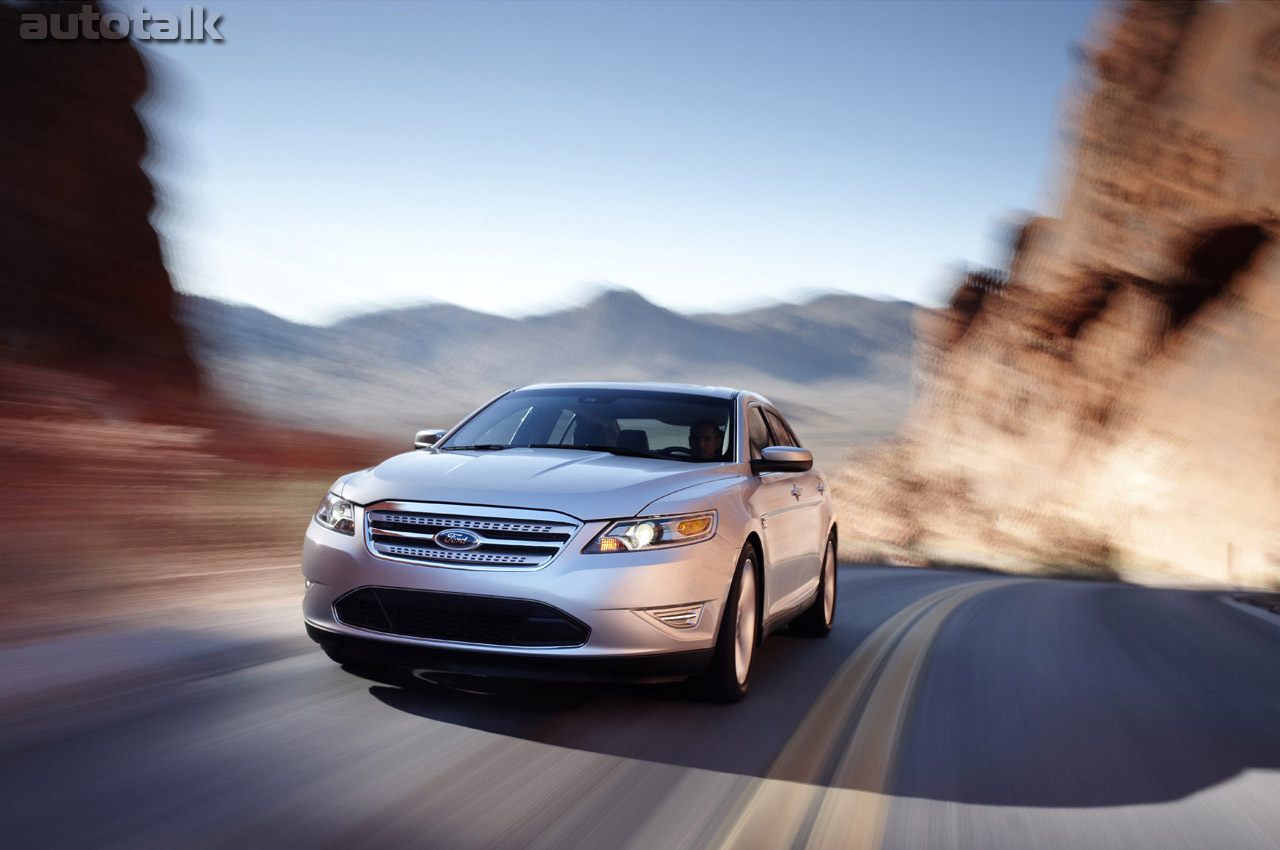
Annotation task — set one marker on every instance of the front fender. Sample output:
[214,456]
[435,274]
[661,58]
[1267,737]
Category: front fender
[734,521]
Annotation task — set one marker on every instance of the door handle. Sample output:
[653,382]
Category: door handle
[795,491]
[822,488]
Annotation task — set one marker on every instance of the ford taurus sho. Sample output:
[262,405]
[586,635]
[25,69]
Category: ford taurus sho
[643,532]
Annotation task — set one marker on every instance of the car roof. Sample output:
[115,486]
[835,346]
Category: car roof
[656,386]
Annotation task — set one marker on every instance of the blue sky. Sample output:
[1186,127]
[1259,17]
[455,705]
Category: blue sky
[330,158]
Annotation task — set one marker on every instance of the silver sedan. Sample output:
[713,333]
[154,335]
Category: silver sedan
[643,532]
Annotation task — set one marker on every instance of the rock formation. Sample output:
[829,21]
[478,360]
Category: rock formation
[83,287]
[1111,400]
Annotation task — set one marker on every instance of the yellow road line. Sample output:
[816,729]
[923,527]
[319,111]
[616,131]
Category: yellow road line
[809,752]
[834,745]
[869,760]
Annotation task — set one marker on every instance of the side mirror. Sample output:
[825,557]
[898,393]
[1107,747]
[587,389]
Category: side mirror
[430,437]
[783,459]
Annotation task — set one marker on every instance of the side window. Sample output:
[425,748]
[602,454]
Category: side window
[757,432]
[783,435]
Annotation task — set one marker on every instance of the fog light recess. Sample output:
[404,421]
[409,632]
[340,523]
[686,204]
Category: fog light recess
[678,616]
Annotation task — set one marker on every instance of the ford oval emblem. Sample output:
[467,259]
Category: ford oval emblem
[457,539]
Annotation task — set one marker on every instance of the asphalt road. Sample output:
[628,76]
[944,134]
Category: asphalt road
[947,709]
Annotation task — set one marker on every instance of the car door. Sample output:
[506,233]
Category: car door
[808,488]
[784,524]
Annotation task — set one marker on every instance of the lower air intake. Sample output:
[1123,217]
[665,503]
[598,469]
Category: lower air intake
[460,618]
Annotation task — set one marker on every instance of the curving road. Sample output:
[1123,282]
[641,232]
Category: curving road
[947,709]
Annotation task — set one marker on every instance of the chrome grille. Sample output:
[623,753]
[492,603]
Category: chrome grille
[467,522]
[506,539]
[423,552]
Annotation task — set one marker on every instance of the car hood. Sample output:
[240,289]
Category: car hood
[584,484]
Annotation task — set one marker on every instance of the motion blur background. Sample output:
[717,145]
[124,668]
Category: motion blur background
[470,197]
[233,270]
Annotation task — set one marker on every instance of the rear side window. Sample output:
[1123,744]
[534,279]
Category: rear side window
[757,431]
[782,433]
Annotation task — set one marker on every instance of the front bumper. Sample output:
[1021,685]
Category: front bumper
[565,668]
[611,594]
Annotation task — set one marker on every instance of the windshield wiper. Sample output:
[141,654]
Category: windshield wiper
[613,450]
[484,447]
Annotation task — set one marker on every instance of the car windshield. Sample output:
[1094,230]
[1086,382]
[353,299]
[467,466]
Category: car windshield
[644,423]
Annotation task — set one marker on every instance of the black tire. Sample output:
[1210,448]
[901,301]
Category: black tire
[729,676]
[817,619]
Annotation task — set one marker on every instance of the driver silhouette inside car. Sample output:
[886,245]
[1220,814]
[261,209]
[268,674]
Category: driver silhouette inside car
[705,440]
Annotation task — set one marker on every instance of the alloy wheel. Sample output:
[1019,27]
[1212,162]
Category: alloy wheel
[829,584]
[745,629]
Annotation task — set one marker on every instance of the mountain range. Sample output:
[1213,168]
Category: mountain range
[838,365]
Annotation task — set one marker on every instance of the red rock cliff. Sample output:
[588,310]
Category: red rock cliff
[83,287]
[1111,400]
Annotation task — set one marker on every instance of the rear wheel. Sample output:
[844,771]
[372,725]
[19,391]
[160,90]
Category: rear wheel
[817,618]
[729,676]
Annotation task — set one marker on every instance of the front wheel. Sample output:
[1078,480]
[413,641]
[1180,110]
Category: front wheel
[817,618]
[730,673]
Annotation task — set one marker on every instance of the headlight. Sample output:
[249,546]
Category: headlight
[337,514]
[659,532]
